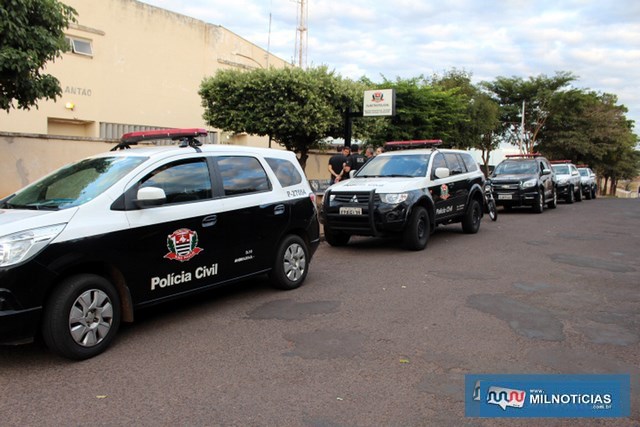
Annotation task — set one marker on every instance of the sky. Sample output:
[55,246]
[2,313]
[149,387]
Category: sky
[597,41]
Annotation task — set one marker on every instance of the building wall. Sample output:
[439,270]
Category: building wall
[146,69]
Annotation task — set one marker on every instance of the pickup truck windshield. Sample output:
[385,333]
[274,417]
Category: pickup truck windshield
[408,165]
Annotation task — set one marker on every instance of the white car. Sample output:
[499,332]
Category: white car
[83,248]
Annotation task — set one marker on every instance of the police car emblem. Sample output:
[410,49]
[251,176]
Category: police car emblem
[444,192]
[182,245]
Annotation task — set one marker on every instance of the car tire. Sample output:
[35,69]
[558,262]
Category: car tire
[594,192]
[579,196]
[336,238]
[291,265]
[472,218]
[587,195]
[416,234]
[538,204]
[554,201]
[570,196]
[81,317]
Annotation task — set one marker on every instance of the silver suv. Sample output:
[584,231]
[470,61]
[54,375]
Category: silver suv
[568,183]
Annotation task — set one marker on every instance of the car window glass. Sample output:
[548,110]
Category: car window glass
[438,162]
[400,165]
[74,184]
[471,165]
[241,175]
[182,181]
[454,164]
[516,168]
[285,171]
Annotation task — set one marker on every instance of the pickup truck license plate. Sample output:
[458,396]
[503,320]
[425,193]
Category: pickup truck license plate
[504,196]
[350,211]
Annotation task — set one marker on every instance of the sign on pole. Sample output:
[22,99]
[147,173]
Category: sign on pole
[380,102]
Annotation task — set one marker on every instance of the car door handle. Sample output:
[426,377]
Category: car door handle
[278,210]
[210,221]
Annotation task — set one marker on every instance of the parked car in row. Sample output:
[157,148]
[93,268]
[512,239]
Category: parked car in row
[406,194]
[85,247]
[569,186]
[588,182]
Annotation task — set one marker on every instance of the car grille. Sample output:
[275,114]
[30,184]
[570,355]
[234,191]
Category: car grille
[507,186]
[355,198]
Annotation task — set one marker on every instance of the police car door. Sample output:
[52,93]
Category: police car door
[176,246]
[459,184]
[440,190]
[255,215]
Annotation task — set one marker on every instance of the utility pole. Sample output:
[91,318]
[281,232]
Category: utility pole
[522,130]
[301,35]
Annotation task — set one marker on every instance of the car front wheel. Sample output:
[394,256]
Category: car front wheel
[472,218]
[82,317]
[291,264]
[416,234]
[538,204]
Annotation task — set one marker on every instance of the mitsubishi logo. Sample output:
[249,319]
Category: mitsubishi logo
[354,199]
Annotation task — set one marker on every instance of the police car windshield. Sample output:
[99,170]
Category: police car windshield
[583,172]
[74,184]
[400,165]
[561,169]
[516,168]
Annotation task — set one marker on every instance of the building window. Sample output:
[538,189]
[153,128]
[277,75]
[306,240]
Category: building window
[80,46]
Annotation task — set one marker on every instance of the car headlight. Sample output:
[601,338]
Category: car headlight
[393,198]
[21,246]
[530,183]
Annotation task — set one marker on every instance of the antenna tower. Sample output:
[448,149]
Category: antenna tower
[301,34]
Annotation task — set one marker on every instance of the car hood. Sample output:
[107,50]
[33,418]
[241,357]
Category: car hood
[511,178]
[15,220]
[380,185]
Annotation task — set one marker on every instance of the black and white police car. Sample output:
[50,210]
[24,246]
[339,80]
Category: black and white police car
[406,193]
[84,247]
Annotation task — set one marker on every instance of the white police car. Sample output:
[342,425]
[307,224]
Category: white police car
[84,247]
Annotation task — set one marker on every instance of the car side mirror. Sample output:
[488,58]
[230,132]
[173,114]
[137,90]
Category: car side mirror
[546,171]
[150,196]
[442,173]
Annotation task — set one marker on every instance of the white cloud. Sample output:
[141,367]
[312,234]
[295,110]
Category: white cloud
[597,41]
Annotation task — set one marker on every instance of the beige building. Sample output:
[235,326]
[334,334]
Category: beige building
[132,67]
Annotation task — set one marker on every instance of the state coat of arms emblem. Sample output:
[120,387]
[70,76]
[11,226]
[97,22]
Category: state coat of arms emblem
[182,245]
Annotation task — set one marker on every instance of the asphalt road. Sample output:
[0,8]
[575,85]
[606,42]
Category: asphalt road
[377,336]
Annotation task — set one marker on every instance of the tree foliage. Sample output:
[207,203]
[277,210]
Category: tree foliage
[423,111]
[31,34]
[535,94]
[295,107]
[590,128]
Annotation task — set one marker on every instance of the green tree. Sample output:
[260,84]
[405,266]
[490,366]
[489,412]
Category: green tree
[297,108]
[534,94]
[591,128]
[31,34]
[423,111]
[482,122]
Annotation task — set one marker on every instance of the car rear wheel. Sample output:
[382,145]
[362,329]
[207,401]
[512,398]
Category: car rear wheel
[291,264]
[416,234]
[579,195]
[81,317]
[472,218]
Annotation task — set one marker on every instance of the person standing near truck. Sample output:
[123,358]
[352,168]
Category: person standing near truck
[338,165]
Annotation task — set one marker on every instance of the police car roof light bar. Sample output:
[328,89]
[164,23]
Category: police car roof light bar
[186,136]
[417,143]
[558,162]
[582,166]
[523,156]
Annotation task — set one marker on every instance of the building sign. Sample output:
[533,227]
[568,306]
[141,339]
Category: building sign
[381,102]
